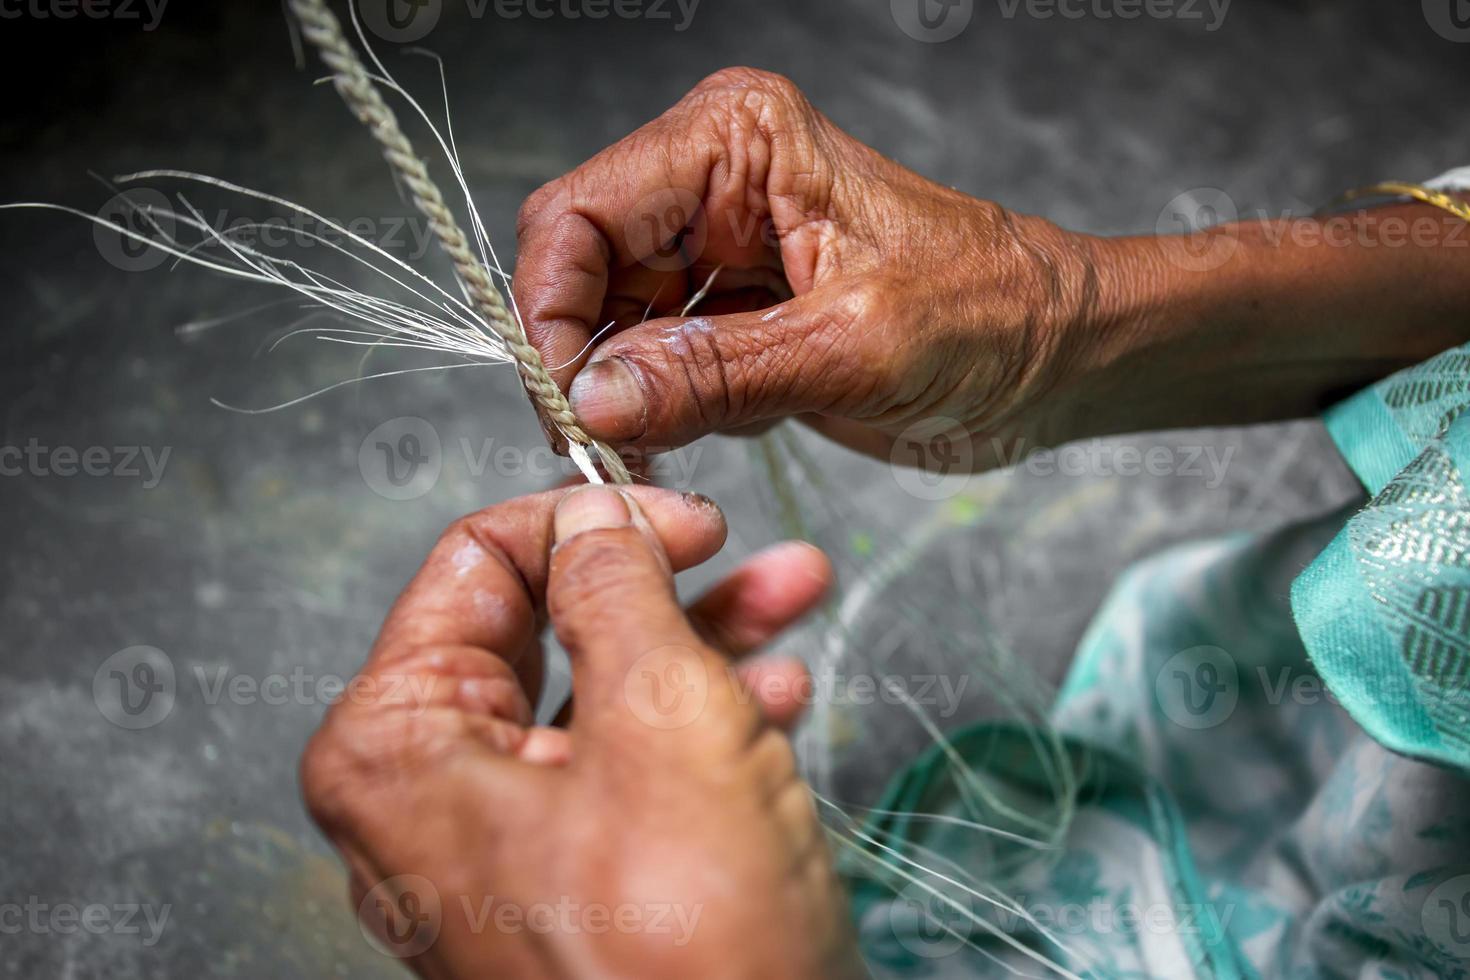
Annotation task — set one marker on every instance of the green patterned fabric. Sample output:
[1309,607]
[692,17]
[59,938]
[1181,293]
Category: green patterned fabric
[1385,611]
[1274,747]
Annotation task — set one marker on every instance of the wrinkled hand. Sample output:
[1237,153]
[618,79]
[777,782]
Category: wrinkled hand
[664,834]
[850,291]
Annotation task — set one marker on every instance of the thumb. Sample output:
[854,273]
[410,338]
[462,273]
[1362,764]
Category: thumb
[638,665]
[667,382]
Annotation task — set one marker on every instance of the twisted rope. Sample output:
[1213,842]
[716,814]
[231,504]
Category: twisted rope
[322,28]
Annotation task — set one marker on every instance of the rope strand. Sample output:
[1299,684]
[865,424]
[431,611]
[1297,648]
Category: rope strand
[322,28]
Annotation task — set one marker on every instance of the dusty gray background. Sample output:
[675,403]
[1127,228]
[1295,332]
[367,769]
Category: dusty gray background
[264,548]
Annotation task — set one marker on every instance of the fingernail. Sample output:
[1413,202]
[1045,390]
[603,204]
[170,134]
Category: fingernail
[590,509]
[800,553]
[699,500]
[607,399]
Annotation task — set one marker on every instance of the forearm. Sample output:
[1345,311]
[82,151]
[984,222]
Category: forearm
[1266,320]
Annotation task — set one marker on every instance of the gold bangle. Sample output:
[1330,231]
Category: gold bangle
[1396,188]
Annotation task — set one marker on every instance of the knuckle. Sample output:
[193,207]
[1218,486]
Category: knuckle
[747,100]
[357,761]
[463,531]
[456,531]
[738,81]
[861,327]
[534,204]
[526,216]
[484,530]
[470,531]
[329,783]
[868,301]
[775,759]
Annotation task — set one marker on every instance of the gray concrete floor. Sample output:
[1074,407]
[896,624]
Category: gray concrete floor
[263,550]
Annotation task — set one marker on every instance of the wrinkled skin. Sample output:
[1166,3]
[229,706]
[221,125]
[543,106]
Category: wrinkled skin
[865,300]
[911,300]
[886,310]
[693,826]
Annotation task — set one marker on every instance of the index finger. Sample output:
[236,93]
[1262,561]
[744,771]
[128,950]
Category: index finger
[560,281]
[482,588]
[600,225]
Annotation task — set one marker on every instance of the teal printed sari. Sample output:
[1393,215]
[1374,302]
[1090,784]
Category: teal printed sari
[1272,733]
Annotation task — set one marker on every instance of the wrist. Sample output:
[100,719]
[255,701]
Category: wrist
[1037,290]
[1264,320]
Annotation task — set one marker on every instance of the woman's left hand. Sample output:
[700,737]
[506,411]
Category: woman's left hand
[666,833]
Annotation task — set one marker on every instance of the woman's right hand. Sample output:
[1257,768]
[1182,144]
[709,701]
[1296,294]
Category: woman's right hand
[850,291]
[916,323]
